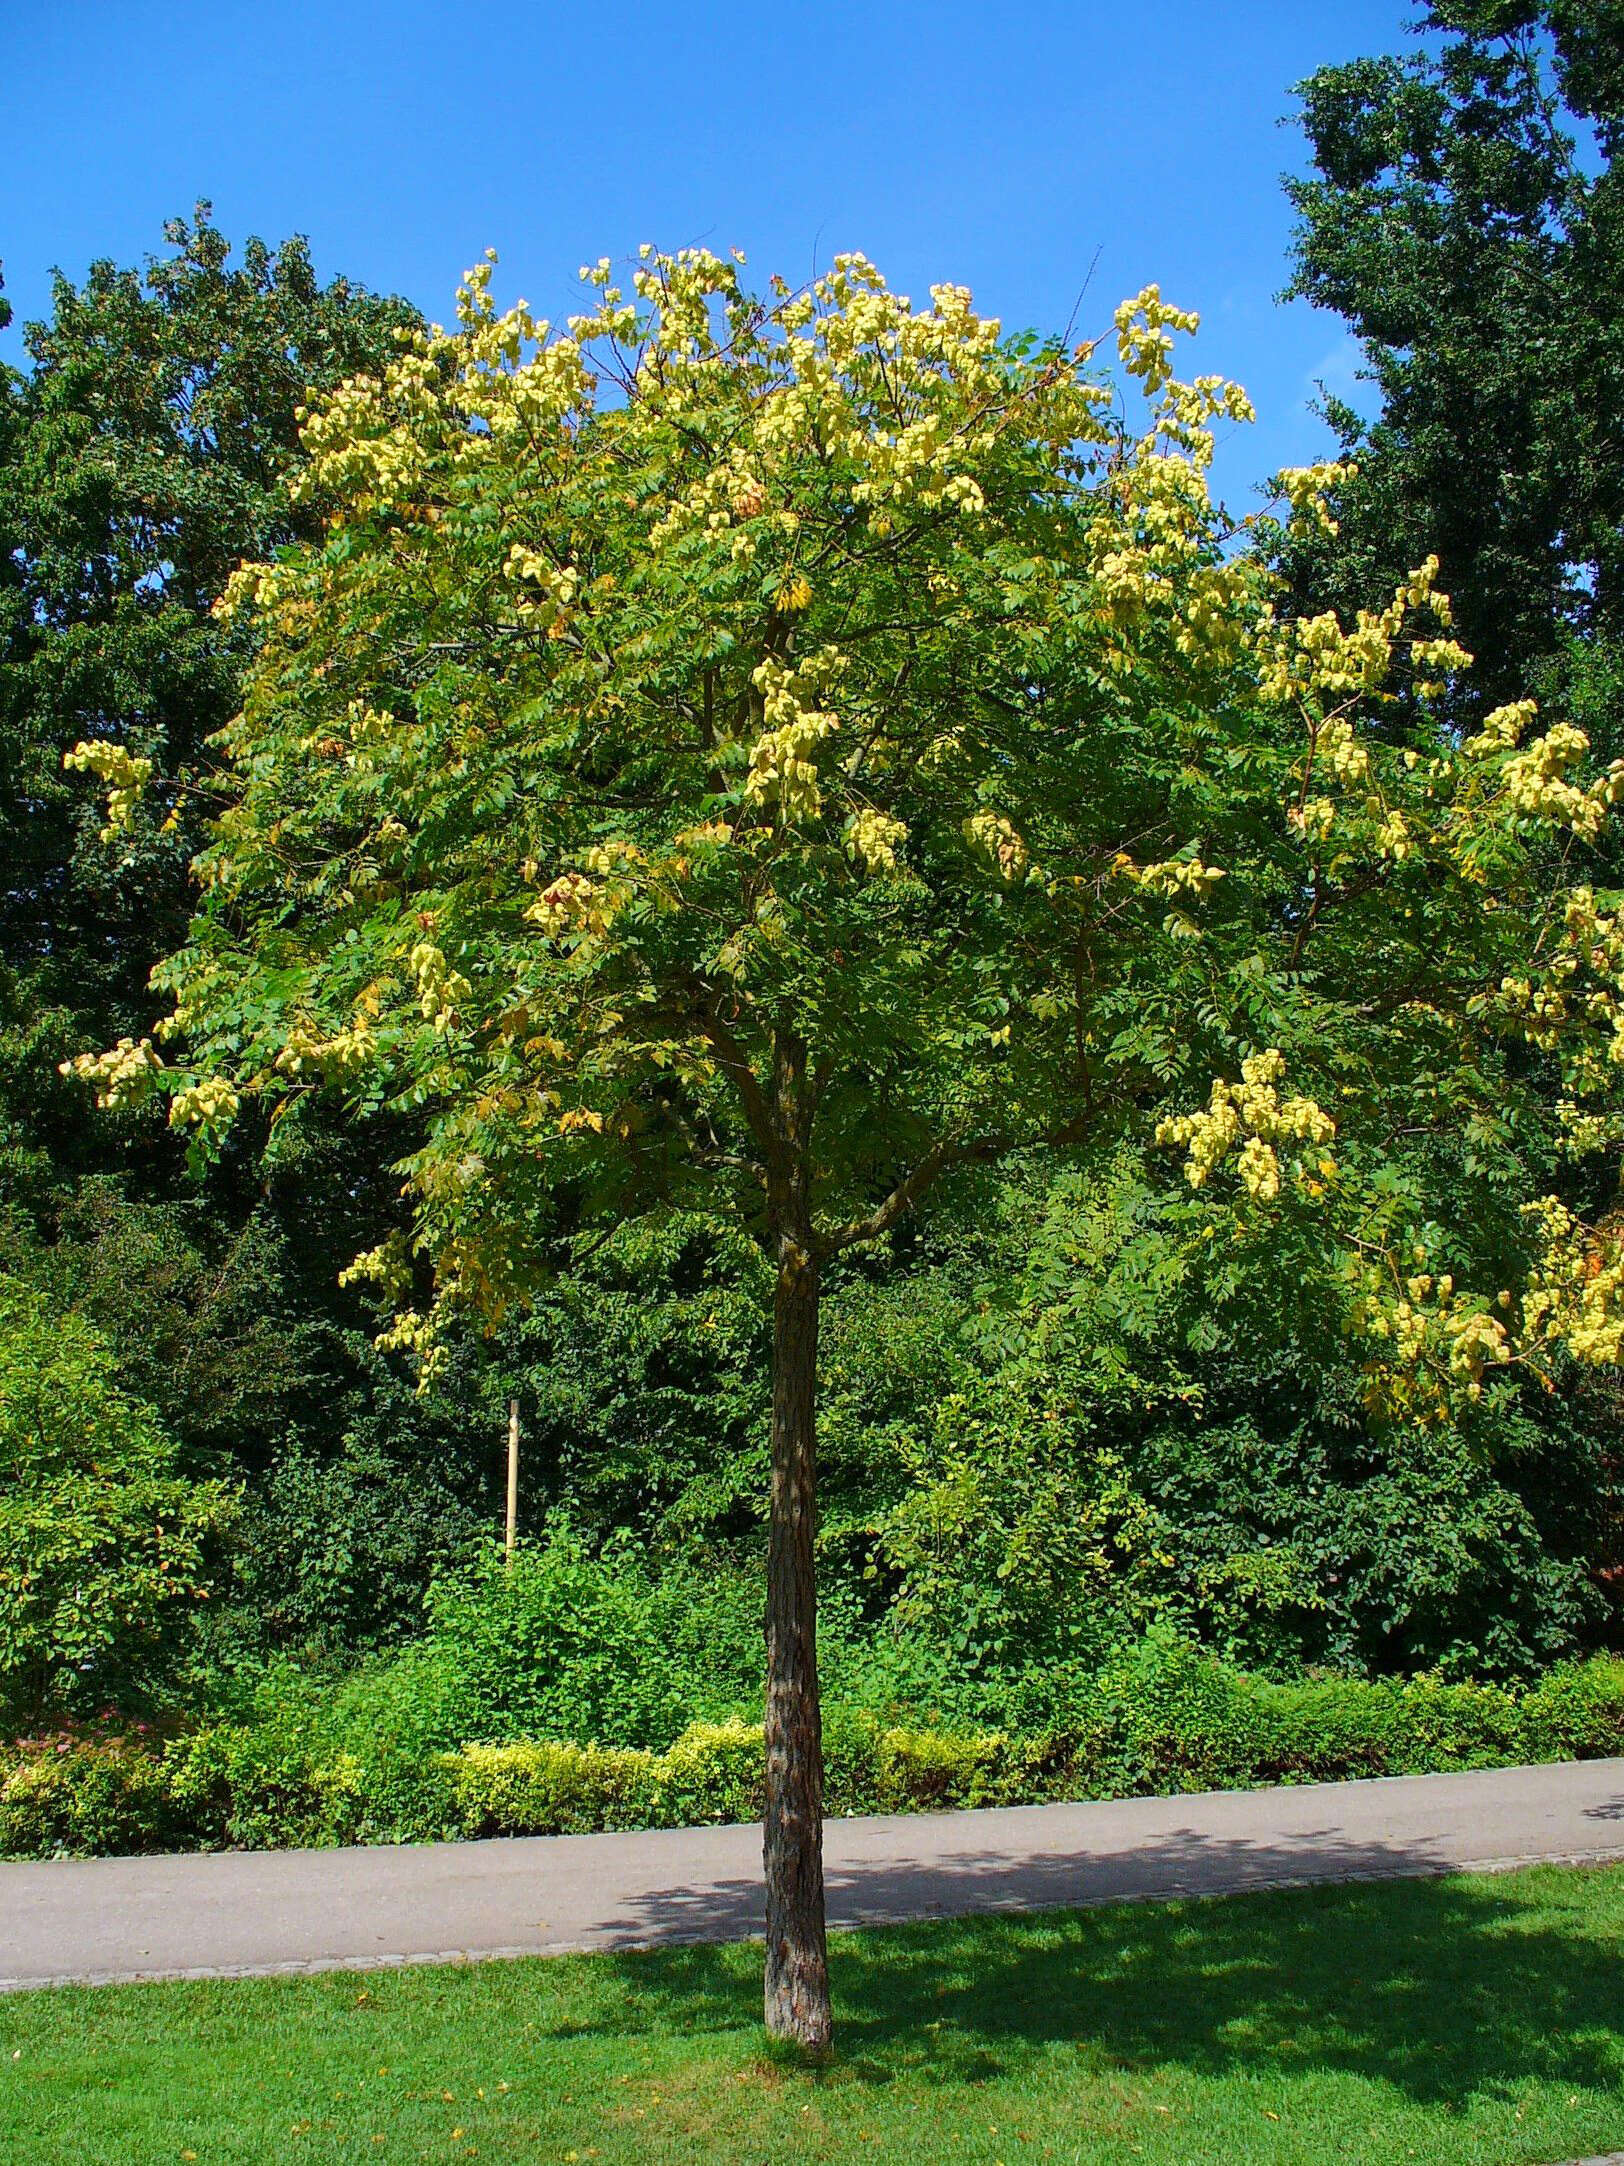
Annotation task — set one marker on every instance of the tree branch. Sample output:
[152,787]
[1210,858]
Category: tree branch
[939,1159]
[734,1063]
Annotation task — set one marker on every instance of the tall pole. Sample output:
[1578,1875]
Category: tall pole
[513,1478]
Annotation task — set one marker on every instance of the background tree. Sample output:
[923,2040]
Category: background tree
[1463,216]
[840,757]
[147,451]
[144,452]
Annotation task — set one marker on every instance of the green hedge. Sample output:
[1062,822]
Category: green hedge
[1166,1718]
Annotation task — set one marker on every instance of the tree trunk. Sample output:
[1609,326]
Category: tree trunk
[797,1984]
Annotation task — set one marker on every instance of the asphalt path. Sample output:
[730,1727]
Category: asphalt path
[240,1913]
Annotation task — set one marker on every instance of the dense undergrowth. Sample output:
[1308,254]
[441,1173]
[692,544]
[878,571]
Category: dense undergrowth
[1069,1549]
[536,1705]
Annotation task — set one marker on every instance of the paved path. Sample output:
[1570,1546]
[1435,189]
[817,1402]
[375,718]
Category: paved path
[100,1919]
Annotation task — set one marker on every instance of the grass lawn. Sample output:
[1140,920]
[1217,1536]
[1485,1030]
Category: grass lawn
[1465,2021]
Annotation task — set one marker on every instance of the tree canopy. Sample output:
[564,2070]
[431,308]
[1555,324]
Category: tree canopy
[790,748]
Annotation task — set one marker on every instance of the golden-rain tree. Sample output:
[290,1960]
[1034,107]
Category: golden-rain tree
[785,748]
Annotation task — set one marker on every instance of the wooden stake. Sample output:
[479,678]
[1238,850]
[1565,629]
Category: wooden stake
[513,1478]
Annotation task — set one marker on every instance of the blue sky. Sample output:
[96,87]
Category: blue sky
[1004,147]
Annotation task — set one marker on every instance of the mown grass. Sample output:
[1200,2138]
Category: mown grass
[1474,2021]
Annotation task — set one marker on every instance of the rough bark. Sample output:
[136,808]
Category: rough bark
[797,1980]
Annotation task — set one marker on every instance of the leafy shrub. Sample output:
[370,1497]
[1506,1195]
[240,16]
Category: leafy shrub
[713,1772]
[1576,1713]
[396,1720]
[91,1797]
[1017,1543]
[262,1788]
[560,1644]
[103,1541]
[551,1789]
[308,1763]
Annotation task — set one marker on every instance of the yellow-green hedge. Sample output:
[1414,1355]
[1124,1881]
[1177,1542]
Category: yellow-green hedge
[1167,1718]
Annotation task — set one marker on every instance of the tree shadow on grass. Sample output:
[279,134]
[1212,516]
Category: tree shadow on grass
[1443,1989]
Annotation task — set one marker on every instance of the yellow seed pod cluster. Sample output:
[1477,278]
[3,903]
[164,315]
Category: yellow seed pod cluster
[873,839]
[1575,1008]
[125,775]
[306,1052]
[249,589]
[545,592]
[1436,1341]
[123,1076]
[209,1103]
[1315,659]
[1253,1123]
[570,903]
[1585,1131]
[388,1267]
[1349,760]
[587,900]
[1536,785]
[783,764]
[1156,539]
[1503,730]
[1178,877]
[1314,818]
[1000,842]
[1307,489]
[439,987]
[1144,328]
[419,1336]
[1575,1293]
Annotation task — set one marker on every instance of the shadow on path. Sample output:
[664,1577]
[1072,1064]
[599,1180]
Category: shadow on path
[1182,1862]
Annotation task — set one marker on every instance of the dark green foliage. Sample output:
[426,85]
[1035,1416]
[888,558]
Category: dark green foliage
[141,456]
[642,1378]
[255,1361]
[335,1550]
[1305,1535]
[1243,1489]
[1464,217]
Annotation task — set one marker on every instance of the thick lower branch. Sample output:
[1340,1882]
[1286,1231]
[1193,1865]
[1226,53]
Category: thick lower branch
[939,1159]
